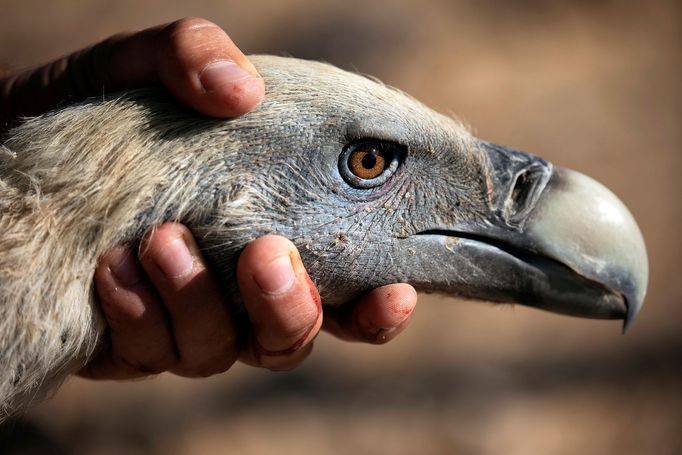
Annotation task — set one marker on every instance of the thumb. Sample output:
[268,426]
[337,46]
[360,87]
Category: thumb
[193,58]
[202,67]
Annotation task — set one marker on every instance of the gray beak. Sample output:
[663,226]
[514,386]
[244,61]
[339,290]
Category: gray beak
[580,223]
[554,239]
[561,215]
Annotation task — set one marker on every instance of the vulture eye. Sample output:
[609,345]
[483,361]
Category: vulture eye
[366,164]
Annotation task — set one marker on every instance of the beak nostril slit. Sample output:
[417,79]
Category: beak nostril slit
[525,192]
[522,187]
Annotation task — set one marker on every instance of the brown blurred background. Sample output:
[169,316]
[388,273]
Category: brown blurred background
[591,85]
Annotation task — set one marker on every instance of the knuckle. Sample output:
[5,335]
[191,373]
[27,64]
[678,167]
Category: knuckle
[295,331]
[215,367]
[187,24]
[298,333]
[146,366]
[118,307]
[87,69]
[297,312]
[122,306]
[188,33]
[288,326]
[106,291]
[212,355]
[210,367]
[287,363]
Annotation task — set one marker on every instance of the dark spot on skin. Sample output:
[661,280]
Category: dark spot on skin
[406,311]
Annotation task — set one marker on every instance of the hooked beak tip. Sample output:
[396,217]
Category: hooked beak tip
[633,308]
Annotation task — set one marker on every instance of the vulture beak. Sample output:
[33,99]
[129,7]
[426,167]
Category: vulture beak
[585,227]
[566,220]
[555,239]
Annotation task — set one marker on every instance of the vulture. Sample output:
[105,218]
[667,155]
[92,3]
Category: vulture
[372,186]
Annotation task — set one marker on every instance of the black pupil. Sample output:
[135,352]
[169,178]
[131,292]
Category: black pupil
[370,160]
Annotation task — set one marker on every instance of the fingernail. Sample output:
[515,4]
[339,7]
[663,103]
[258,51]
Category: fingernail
[217,74]
[174,260]
[277,277]
[127,271]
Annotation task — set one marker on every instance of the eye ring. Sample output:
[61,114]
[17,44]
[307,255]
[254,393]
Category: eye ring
[369,163]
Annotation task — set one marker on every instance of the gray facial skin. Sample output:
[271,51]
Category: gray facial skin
[458,215]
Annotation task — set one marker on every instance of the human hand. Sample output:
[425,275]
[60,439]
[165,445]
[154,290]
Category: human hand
[192,58]
[164,310]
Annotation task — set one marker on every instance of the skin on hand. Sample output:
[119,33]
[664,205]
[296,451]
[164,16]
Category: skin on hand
[164,308]
[193,58]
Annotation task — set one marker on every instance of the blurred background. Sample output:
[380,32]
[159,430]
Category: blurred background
[590,85]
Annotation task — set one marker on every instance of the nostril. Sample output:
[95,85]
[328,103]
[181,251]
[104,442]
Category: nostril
[521,190]
[526,190]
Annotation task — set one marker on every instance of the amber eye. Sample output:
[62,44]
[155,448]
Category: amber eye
[366,164]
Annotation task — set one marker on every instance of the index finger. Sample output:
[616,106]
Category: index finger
[193,58]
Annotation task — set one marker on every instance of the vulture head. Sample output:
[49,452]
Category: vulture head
[372,186]
[375,188]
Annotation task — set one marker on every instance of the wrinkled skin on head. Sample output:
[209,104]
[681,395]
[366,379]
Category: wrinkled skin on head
[457,215]
[348,236]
